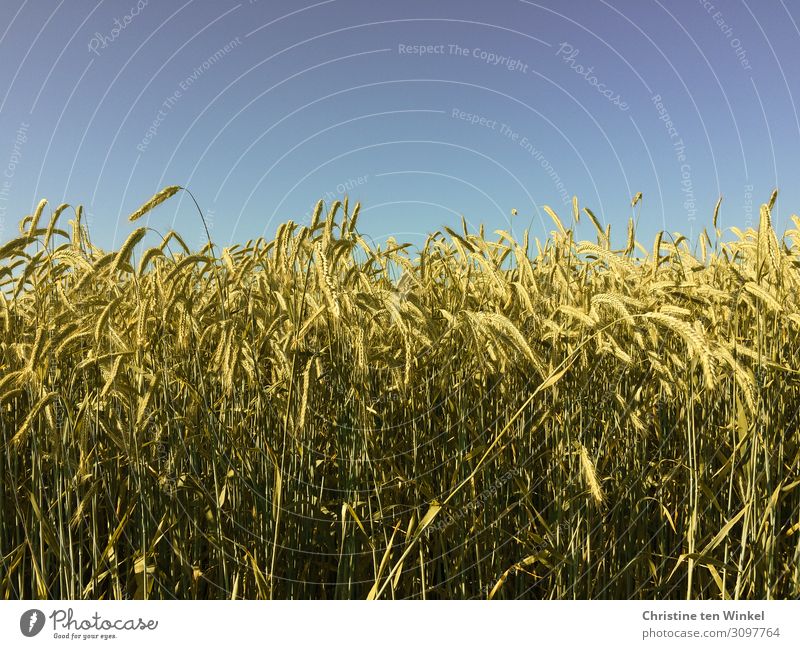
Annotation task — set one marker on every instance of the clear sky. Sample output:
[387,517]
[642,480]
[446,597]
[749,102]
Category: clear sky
[424,111]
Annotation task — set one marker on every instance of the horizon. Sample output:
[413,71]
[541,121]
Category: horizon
[424,114]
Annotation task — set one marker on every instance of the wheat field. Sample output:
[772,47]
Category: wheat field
[316,416]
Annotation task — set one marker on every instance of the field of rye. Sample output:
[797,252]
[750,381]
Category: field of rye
[317,416]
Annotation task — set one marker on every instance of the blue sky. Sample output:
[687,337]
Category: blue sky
[423,111]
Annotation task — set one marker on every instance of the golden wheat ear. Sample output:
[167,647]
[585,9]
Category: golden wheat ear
[590,475]
[160,197]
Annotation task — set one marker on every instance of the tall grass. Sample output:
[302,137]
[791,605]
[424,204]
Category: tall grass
[320,417]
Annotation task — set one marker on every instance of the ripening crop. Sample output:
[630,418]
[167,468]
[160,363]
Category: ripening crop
[317,416]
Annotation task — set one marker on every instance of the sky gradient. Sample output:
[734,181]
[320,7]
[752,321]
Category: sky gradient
[423,111]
